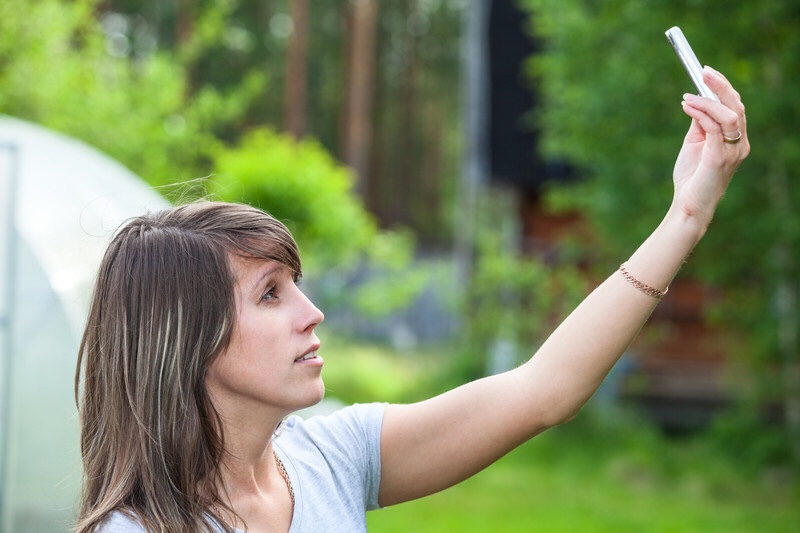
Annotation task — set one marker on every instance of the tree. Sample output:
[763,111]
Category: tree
[611,87]
[357,130]
[359,101]
[89,78]
[294,93]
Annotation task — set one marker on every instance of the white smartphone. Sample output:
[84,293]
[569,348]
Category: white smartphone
[689,60]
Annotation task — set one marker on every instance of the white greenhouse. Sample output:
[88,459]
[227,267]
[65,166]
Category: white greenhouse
[60,201]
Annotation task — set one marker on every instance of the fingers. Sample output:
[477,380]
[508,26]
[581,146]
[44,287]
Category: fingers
[724,123]
[728,96]
[718,83]
[723,120]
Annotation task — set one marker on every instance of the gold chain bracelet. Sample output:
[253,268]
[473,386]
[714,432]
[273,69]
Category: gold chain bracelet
[644,287]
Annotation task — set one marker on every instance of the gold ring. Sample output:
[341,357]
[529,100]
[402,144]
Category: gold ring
[732,140]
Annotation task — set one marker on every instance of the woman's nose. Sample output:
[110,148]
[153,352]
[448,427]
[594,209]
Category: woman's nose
[312,316]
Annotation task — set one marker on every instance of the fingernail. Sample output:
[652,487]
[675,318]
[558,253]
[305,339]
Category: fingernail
[689,97]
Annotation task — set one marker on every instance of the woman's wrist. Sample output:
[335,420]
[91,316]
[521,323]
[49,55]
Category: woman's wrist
[689,227]
[661,255]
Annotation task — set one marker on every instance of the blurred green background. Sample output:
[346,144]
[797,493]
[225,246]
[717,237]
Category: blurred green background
[354,121]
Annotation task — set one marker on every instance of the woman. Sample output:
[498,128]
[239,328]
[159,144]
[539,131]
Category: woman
[200,344]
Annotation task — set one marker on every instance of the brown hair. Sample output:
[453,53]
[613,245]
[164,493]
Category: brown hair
[163,309]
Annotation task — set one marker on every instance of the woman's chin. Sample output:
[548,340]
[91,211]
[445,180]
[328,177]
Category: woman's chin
[315,397]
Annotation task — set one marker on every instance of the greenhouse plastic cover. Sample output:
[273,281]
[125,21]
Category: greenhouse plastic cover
[60,202]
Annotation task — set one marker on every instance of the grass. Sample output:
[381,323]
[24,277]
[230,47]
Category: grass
[605,471]
[532,493]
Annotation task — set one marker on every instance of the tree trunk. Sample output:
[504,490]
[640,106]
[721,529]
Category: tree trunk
[185,11]
[431,172]
[357,126]
[405,172]
[294,112]
[475,159]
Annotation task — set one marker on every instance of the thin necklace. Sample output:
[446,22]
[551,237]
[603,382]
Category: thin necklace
[284,475]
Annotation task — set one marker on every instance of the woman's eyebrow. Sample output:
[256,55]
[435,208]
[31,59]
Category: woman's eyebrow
[269,270]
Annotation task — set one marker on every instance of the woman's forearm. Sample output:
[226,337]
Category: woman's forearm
[571,364]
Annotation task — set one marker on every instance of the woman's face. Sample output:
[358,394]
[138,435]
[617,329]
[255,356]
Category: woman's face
[271,360]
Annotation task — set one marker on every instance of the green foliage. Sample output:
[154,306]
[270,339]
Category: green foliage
[746,440]
[611,88]
[415,119]
[395,278]
[517,298]
[60,69]
[82,72]
[358,372]
[299,183]
[512,298]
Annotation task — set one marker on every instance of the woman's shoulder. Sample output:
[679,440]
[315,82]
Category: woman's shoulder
[349,422]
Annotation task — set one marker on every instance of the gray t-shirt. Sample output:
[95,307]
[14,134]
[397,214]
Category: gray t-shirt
[334,465]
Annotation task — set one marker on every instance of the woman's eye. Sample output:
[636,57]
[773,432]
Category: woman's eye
[269,295]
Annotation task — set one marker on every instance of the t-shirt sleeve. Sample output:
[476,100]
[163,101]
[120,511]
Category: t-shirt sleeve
[353,435]
[119,522]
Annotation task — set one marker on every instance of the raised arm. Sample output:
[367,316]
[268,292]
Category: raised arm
[431,445]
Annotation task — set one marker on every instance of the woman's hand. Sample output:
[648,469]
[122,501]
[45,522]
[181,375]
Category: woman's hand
[707,162]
